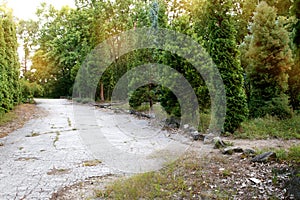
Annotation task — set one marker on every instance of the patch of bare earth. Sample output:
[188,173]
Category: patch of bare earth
[22,114]
[85,189]
[209,174]
[234,177]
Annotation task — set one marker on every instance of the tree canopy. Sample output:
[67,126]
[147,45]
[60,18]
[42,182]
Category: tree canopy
[255,46]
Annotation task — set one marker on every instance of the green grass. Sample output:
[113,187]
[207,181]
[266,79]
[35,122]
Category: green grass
[204,121]
[294,154]
[56,138]
[270,127]
[6,117]
[182,179]
[189,177]
[33,134]
[291,155]
[143,108]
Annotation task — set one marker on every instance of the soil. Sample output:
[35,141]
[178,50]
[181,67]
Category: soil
[22,114]
[86,189]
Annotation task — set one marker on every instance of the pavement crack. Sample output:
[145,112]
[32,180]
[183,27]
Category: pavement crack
[56,138]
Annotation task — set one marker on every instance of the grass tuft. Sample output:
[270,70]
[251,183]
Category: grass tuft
[6,117]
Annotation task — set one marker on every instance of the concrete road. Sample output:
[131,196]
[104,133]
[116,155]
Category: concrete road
[63,148]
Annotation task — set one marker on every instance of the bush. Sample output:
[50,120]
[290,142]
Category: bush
[275,107]
[30,90]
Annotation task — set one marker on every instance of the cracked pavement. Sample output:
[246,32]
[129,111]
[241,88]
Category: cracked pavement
[50,152]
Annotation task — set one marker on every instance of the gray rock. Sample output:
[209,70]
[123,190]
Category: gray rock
[209,139]
[172,122]
[219,143]
[255,180]
[293,186]
[192,129]
[264,157]
[231,150]
[249,152]
[186,126]
[197,136]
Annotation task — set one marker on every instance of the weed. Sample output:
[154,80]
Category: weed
[56,138]
[182,179]
[7,117]
[226,172]
[55,171]
[69,122]
[26,158]
[33,134]
[90,163]
[294,154]
[270,127]
[204,121]
[291,155]
[87,100]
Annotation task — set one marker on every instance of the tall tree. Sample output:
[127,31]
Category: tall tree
[270,59]
[294,73]
[221,44]
[9,63]
[27,32]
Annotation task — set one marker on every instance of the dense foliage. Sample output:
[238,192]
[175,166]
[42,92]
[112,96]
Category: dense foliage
[270,59]
[254,45]
[10,93]
[222,47]
[294,73]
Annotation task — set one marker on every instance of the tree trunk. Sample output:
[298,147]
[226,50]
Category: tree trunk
[102,92]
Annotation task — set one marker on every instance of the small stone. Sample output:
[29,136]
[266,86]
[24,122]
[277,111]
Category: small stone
[192,129]
[196,135]
[1,144]
[186,126]
[264,157]
[231,150]
[209,139]
[249,151]
[218,143]
[255,180]
[243,185]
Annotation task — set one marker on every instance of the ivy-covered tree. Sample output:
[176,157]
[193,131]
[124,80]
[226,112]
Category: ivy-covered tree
[220,42]
[270,59]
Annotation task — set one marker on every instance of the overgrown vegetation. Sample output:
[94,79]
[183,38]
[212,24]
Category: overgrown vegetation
[291,155]
[269,127]
[6,117]
[214,177]
[181,179]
